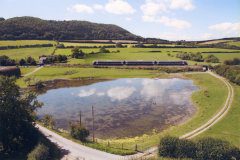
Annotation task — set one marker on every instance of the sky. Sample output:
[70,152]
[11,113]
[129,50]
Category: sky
[166,19]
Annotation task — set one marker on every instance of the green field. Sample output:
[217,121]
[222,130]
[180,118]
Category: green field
[25,70]
[66,44]
[25,42]
[124,54]
[229,127]
[236,43]
[26,52]
[148,54]
[50,73]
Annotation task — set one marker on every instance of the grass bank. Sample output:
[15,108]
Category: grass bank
[229,127]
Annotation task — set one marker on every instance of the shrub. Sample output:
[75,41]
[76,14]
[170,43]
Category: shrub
[40,152]
[211,59]
[235,61]
[31,61]
[203,149]
[215,149]
[79,132]
[6,61]
[176,148]
[77,53]
[103,50]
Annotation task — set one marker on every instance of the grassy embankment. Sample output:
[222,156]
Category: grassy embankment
[229,127]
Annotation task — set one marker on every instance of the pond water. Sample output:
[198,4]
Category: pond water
[122,107]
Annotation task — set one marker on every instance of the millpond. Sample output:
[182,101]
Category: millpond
[122,107]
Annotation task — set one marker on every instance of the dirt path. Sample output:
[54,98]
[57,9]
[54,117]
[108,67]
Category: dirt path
[35,70]
[77,151]
[218,116]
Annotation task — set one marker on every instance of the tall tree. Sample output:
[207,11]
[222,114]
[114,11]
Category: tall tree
[17,116]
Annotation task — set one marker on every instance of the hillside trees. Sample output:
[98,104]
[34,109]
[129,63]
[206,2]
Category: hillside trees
[36,28]
[17,116]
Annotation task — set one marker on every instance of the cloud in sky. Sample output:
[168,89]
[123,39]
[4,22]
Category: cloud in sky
[170,22]
[153,11]
[118,7]
[162,14]
[227,27]
[81,8]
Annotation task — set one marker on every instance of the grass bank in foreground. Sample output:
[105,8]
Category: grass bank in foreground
[228,128]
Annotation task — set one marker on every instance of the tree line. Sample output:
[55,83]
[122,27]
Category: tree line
[31,28]
[26,46]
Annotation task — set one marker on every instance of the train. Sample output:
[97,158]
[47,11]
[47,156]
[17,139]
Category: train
[140,63]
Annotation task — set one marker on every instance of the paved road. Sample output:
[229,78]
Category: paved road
[81,152]
[35,70]
[77,151]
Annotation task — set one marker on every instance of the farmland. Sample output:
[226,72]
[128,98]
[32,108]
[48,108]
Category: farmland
[124,54]
[17,54]
[25,42]
[208,100]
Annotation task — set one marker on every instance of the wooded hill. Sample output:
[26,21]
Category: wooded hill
[25,28]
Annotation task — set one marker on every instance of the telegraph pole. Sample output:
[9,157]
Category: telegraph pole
[80,118]
[93,136]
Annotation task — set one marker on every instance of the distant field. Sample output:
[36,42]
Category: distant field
[86,44]
[147,54]
[25,70]
[25,42]
[236,43]
[125,53]
[215,42]
[25,52]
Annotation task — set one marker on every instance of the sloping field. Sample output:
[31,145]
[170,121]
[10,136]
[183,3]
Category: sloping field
[26,52]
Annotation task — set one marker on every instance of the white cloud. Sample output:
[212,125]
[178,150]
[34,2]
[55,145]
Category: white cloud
[175,36]
[182,4]
[153,11]
[120,93]
[98,7]
[119,7]
[87,93]
[170,22]
[226,27]
[176,23]
[128,18]
[207,36]
[152,8]
[81,8]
